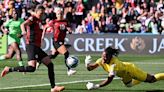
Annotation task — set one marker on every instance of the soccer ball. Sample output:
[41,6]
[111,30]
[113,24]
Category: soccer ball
[72,61]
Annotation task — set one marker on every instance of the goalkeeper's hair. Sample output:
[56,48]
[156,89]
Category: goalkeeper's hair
[111,51]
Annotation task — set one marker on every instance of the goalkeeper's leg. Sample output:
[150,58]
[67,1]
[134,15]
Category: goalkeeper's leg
[159,76]
[132,82]
[153,78]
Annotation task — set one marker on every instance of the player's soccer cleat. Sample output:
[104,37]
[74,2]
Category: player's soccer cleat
[57,89]
[71,72]
[5,71]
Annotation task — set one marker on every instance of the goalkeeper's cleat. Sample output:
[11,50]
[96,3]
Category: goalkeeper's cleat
[5,71]
[57,89]
[71,72]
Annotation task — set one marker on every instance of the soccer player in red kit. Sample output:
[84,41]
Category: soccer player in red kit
[33,44]
[60,27]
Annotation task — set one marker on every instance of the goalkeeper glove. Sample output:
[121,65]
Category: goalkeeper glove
[87,60]
[91,86]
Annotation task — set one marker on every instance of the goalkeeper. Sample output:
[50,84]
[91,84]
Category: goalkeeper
[130,74]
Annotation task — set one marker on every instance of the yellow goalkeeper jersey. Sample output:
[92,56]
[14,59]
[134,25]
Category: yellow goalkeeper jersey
[122,69]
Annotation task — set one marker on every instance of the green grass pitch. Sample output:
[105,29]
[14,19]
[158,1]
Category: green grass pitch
[38,81]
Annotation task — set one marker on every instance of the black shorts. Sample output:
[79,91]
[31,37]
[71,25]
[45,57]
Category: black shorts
[57,44]
[35,53]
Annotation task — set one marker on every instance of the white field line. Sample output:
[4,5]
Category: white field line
[149,63]
[81,81]
[40,85]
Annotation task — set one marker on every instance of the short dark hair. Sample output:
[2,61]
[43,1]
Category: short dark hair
[39,7]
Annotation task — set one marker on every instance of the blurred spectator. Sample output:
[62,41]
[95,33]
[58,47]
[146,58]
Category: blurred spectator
[81,28]
[89,24]
[110,25]
[24,14]
[159,4]
[100,16]
[18,7]
[118,3]
[79,12]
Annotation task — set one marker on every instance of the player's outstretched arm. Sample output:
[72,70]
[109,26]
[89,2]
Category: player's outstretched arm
[92,66]
[107,81]
[91,85]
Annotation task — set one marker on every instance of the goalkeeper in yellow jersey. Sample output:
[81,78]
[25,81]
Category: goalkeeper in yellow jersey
[129,73]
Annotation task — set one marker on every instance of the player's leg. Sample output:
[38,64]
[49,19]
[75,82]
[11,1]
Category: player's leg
[17,50]
[140,75]
[153,78]
[159,76]
[9,55]
[136,74]
[129,82]
[11,52]
[63,50]
[29,68]
[54,53]
[30,49]
[45,59]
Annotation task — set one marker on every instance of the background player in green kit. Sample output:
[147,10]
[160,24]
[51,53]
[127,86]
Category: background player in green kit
[13,30]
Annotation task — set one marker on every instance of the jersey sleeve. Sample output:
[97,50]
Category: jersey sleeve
[22,20]
[7,23]
[30,19]
[112,72]
[99,61]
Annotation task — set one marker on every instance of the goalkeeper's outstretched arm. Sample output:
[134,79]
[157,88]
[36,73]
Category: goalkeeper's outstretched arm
[107,81]
[92,66]
[91,85]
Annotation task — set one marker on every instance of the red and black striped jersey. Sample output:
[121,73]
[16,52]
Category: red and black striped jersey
[60,29]
[34,31]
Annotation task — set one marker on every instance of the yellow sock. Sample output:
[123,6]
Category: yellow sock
[159,76]
[135,82]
